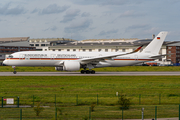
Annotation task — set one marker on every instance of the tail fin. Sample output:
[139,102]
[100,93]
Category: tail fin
[155,45]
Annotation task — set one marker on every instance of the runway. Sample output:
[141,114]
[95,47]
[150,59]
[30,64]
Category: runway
[97,74]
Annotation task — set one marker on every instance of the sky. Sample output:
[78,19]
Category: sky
[89,19]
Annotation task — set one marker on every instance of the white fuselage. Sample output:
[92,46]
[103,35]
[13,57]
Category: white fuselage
[53,58]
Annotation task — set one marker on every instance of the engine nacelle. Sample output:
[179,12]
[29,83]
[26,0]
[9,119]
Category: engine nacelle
[69,66]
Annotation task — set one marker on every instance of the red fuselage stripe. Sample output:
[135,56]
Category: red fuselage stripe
[70,59]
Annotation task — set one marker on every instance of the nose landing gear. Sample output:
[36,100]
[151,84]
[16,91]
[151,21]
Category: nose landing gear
[14,67]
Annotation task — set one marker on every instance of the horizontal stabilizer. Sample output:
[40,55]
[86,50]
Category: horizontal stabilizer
[159,56]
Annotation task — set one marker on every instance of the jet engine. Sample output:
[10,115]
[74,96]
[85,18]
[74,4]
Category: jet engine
[69,66]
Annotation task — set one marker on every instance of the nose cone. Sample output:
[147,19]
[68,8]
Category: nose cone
[5,62]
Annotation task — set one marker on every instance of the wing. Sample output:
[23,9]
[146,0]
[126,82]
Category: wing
[102,58]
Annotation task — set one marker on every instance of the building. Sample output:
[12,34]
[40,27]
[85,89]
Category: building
[174,53]
[101,45]
[43,44]
[15,44]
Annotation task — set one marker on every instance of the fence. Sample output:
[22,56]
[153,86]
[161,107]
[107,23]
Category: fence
[15,101]
[88,99]
[85,112]
[99,99]
[81,106]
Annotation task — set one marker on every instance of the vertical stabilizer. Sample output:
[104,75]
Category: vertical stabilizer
[155,45]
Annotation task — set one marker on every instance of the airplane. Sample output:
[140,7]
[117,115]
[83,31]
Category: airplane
[73,61]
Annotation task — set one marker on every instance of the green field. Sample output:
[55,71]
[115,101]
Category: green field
[75,94]
[109,69]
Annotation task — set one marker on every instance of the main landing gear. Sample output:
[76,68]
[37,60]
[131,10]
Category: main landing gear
[88,72]
[14,69]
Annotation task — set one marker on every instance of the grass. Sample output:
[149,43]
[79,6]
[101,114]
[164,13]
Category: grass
[75,94]
[90,85]
[109,69]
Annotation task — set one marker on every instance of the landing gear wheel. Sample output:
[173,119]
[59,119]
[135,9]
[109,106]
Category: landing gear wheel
[14,72]
[87,71]
[82,71]
[92,72]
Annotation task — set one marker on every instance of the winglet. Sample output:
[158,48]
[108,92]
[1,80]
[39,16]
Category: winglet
[138,49]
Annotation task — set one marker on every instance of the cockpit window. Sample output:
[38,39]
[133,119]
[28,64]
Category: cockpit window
[10,56]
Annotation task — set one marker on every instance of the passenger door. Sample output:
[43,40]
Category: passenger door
[136,57]
[21,56]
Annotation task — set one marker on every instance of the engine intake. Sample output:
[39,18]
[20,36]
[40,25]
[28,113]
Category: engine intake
[59,68]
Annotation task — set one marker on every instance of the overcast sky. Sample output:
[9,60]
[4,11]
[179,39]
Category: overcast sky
[89,19]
